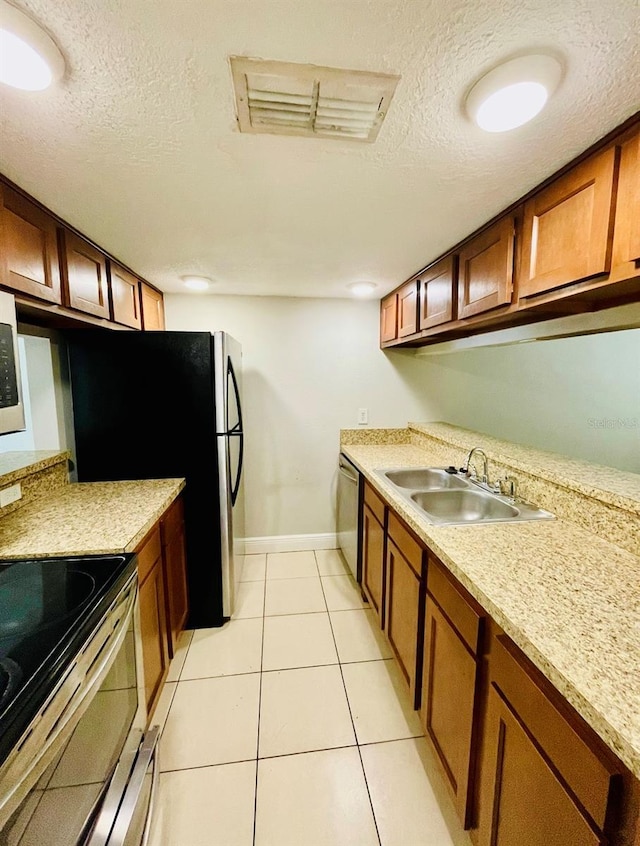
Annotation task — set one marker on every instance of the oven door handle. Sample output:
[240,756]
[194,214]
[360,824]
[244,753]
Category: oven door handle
[148,751]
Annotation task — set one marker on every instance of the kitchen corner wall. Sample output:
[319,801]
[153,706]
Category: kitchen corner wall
[576,396]
[310,364]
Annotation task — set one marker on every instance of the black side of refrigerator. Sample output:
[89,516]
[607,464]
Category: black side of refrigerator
[143,405]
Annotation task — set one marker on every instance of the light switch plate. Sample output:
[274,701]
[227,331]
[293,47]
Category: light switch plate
[10,494]
[363,416]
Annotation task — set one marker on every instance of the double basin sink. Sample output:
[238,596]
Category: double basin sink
[448,499]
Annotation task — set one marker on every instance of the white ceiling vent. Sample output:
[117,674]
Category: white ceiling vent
[283,98]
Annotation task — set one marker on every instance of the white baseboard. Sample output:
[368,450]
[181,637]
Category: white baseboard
[290,543]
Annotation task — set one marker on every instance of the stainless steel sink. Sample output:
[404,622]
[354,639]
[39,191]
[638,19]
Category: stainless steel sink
[425,479]
[464,506]
[449,499]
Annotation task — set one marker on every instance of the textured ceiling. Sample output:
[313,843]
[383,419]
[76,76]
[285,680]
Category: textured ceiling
[139,148]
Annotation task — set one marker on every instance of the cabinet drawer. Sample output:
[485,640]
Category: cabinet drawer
[148,553]
[575,752]
[374,502]
[462,611]
[406,543]
[173,522]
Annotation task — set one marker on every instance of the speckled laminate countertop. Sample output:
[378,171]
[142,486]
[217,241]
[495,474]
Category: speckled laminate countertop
[570,600]
[16,465]
[87,518]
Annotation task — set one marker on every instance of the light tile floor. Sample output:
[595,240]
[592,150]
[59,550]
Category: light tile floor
[291,725]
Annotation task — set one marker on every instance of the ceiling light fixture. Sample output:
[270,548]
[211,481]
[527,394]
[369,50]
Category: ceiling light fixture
[196,283]
[362,289]
[513,93]
[29,58]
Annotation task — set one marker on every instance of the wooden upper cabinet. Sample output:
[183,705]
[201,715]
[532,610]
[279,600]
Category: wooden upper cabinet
[567,230]
[28,248]
[408,309]
[485,275]
[437,293]
[125,296]
[84,275]
[152,308]
[625,261]
[389,318]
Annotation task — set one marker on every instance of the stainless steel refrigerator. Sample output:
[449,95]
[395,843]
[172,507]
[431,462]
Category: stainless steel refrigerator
[151,405]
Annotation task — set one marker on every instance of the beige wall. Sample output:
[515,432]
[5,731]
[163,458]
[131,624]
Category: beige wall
[309,364]
[576,396]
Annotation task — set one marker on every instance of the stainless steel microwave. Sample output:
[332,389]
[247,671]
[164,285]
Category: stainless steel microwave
[11,401]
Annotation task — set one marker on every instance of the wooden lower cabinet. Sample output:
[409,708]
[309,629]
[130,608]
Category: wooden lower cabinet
[523,768]
[373,537]
[534,745]
[153,628]
[162,597]
[175,571]
[404,606]
[450,684]
[527,804]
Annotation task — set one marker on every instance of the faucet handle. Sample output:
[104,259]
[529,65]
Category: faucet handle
[508,486]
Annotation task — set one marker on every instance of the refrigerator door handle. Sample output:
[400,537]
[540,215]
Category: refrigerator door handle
[236,430]
[236,483]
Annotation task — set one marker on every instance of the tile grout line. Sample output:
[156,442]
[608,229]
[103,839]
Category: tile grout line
[255,793]
[353,724]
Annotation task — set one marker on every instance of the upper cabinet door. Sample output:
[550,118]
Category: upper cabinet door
[568,227]
[28,248]
[152,308]
[84,273]
[485,275]
[125,296]
[626,238]
[408,309]
[389,318]
[437,293]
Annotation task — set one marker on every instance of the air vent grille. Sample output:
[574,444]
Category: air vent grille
[289,99]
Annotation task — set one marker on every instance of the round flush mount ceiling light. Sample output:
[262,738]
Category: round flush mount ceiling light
[513,93]
[29,57]
[196,283]
[362,289]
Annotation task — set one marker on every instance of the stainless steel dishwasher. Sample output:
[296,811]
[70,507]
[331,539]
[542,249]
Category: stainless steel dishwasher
[347,512]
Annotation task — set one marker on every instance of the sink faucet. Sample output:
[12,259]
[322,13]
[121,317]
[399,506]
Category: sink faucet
[485,462]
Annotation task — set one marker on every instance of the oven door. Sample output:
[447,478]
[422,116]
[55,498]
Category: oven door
[78,799]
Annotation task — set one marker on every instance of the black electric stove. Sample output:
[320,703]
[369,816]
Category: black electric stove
[48,608]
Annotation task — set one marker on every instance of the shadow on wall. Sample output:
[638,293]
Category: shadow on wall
[575,396]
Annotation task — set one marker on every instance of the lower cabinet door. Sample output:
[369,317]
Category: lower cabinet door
[449,684]
[176,587]
[373,561]
[153,627]
[402,614]
[523,802]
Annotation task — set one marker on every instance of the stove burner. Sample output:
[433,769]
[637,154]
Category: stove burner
[10,680]
[32,599]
